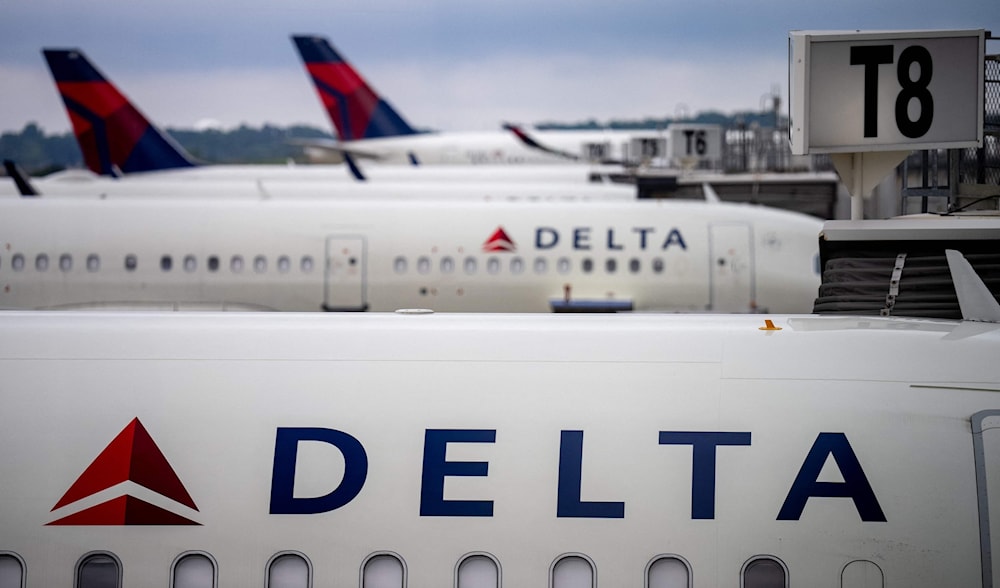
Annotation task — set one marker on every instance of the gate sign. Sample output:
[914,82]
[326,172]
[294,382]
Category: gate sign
[886,91]
[695,142]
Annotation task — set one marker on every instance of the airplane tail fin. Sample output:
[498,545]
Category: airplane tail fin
[114,136]
[357,111]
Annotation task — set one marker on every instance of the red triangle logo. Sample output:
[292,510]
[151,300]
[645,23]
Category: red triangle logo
[131,456]
[499,241]
[124,510]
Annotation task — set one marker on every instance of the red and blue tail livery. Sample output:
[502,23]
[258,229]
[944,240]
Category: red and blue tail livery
[114,136]
[356,110]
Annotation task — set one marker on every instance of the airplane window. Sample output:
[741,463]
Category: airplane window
[193,570]
[288,570]
[658,265]
[399,265]
[306,264]
[17,262]
[634,265]
[260,264]
[93,262]
[42,262]
[190,263]
[284,264]
[447,265]
[764,572]
[516,265]
[668,572]
[562,266]
[587,265]
[213,263]
[470,265]
[572,571]
[861,573]
[423,265]
[478,571]
[493,265]
[166,263]
[99,570]
[11,571]
[65,262]
[236,264]
[383,571]
[541,265]
[131,263]
[611,265]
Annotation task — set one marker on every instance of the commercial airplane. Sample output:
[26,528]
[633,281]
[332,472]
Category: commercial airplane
[386,254]
[368,126]
[474,451]
[79,184]
[118,140]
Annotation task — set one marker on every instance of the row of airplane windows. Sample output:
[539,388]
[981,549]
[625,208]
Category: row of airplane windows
[92,263]
[388,570]
[518,265]
[306,264]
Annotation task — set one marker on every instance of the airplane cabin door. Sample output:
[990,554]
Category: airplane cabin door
[346,274]
[732,274]
[986,448]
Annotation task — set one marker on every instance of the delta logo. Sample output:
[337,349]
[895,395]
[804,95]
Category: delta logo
[133,457]
[499,241]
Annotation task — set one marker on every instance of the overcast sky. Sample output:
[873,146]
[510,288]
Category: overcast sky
[444,64]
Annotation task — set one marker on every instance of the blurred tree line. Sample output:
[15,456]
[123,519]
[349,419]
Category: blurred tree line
[40,154]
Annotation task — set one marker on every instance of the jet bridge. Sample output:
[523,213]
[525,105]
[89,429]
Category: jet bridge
[898,267]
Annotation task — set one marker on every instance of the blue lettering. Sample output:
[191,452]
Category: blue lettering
[546,238]
[436,467]
[570,474]
[286,447]
[674,238]
[703,464]
[611,241]
[643,232]
[854,486]
[581,238]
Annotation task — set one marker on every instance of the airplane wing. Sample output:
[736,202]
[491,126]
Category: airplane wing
[20,178]
[974,297]
[336,147]
[533,143]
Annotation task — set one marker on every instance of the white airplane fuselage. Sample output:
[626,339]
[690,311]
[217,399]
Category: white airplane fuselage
[306,254]
[283,183]
[340,174]
[471,451]
[503,148]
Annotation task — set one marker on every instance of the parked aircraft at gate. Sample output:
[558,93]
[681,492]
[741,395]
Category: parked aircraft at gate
[117,139]
[307,254]
[368,126]
[479,451]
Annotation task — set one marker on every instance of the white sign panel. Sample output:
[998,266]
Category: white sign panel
[697,142]
[886,91]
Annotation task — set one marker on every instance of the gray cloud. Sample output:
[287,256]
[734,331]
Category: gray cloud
[444,63]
